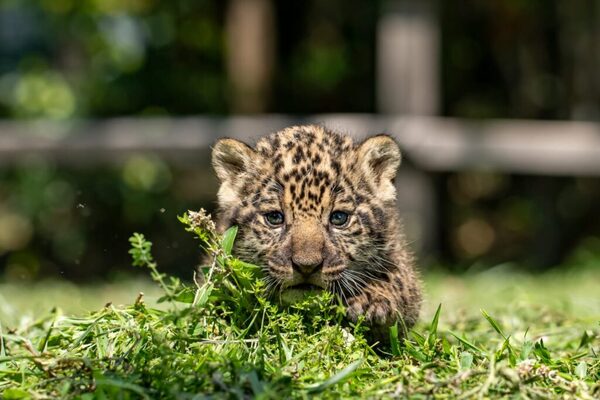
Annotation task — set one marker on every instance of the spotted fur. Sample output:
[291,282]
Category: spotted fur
[306,173]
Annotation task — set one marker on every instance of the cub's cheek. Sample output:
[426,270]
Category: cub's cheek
[281,272]
[332,273]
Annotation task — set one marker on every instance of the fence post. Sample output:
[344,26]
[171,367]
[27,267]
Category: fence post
[408,58]
[408,84]
[251,39]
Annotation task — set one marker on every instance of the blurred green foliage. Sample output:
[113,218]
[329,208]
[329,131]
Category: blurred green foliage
[65,58]
[515,58]
[75,222]
[520,59]
[538,222]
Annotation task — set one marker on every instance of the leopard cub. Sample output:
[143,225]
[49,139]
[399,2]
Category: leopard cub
[318,212]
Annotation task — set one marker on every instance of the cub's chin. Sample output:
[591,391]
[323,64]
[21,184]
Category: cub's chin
[294,294]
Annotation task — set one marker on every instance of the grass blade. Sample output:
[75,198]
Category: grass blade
[394,340]
[467,343]
[343,375]
[494,324]
[228,239]
[2,349]
[433,327]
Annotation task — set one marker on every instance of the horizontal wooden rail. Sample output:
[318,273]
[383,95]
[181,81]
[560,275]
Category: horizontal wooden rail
[435,144]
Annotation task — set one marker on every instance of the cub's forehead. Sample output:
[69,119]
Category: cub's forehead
[304,146]
[308,162]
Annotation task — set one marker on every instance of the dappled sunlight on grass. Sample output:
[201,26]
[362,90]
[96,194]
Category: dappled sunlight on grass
[571,291]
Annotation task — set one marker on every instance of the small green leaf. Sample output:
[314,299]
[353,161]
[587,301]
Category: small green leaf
[140,250]
[581,370]
[202,295]
[466,360]
[247,266]
[228,239]
[186,295]
[526,350]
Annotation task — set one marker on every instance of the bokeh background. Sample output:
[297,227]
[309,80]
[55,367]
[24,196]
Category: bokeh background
[109,107]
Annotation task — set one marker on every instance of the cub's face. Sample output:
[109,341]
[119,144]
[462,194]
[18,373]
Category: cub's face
[312,207]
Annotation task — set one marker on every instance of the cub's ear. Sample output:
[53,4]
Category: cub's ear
[379,157]
[231,158]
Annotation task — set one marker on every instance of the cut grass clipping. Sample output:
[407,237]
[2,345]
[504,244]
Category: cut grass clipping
[224,338]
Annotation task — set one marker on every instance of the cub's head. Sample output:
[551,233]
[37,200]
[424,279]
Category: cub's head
[312,207]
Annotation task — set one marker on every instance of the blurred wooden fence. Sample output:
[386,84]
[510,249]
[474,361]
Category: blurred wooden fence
[430,144]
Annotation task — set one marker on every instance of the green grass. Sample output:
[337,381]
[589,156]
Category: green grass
[537,338]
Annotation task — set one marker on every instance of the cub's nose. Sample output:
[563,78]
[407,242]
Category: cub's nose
[307,245]
[305,268]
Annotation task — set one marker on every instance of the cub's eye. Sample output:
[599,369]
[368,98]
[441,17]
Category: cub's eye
[338,218]
[274,218]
